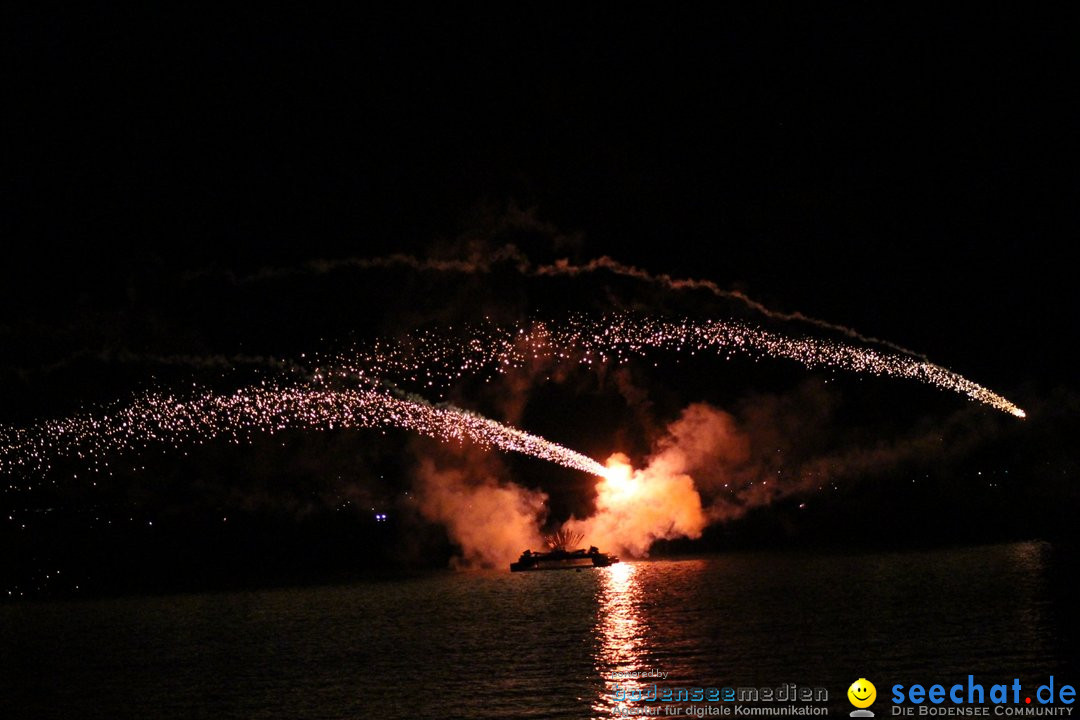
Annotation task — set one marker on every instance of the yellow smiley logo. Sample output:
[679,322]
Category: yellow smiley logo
[862,693]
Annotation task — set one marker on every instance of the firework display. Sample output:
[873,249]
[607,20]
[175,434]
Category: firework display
[437,358]
[352,391]
[166,420]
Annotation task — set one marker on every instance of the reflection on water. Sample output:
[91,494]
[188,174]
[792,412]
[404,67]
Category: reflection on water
[621,636]
[548,645]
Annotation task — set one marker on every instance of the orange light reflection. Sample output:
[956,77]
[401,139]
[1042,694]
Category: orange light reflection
[621,637]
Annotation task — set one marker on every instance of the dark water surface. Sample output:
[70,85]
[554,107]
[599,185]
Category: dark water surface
[501,645]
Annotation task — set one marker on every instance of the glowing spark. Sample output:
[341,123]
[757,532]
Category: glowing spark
[438,359]
[619,476]
[434,360]
[157,419]
[563,539]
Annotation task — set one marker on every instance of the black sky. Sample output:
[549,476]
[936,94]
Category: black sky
[910,174]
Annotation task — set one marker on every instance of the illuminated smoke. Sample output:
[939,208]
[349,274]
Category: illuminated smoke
[491,521]
[711,466]
[634,508]
[703,450]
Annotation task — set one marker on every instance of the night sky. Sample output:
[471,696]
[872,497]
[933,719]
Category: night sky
[170,177]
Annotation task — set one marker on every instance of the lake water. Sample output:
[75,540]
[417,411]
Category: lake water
[524,645]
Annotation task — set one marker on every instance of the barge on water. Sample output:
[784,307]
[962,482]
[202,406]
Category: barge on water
[560,559]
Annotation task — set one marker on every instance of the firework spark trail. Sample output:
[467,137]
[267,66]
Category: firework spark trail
[604,262]
[510,256]
[915,366]
[434,358]
[171,422]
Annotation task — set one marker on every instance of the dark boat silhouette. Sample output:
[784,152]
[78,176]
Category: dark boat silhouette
[562,559]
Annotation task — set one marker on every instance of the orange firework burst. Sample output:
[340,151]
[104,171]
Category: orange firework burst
[619,477]
[564,540]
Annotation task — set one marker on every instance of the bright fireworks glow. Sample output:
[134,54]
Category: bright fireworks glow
[435,359]
[563,540]
[169,421]
[619,477]
[634,508]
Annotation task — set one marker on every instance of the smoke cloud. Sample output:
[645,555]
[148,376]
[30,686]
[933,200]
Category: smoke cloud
[635,508]
[483,258]
[661,501]
[711,466]
[706,466]
[491,520]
